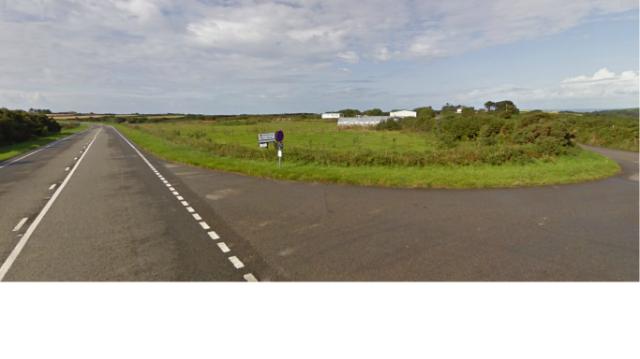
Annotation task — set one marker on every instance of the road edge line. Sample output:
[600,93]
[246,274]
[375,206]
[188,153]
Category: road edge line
[23,241]
[11,161]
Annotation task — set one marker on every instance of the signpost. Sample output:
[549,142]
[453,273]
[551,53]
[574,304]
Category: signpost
[273,137]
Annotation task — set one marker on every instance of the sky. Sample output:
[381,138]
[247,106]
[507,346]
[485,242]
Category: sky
[249,56]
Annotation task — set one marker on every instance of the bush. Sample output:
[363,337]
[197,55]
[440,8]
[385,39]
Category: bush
[388,125]
[459,128]
[18,126]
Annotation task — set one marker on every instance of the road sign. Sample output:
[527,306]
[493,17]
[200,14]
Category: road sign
[266,137]
[279,136]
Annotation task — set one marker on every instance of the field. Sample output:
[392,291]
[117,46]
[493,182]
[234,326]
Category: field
[318,151]
[13,150]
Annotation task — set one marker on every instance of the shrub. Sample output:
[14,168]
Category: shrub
[459,127]
[389,125]
[17,126]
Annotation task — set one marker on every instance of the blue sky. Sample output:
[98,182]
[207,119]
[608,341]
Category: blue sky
[157,56]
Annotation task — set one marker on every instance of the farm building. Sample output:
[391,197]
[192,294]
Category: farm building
[403,113]
[362,120]
[329,115]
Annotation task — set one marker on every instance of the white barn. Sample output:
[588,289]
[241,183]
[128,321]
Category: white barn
[329,115]
[403,113]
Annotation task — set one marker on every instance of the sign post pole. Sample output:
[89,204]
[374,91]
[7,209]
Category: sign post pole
[279,139]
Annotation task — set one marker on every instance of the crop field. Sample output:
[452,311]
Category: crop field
[318,150]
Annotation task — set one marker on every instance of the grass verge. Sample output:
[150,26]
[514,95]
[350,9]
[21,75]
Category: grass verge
[583,166]
[7,152]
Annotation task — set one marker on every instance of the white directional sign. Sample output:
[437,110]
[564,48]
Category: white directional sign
[267,137]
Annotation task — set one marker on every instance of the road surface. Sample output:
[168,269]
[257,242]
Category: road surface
[93,208]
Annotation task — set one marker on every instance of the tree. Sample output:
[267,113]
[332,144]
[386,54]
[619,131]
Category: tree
[490,106]
[349,112]
[506,107]
[448,108]
[375,112]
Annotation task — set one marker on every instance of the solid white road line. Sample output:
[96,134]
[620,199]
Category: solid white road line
[20,224]
[197,217]
[236,262]
[223,247]
[21,158]
[213,235]
[52,186]
[38,150]
[204,225]
[23,241]
[250,277]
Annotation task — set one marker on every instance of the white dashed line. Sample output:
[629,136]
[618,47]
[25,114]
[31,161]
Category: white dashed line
[223,247]
[52,186]
[20,224]
[250,277]
[236,262]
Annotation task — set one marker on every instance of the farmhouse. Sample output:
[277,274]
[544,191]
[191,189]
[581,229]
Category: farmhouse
[329,115]
[362,120]
[403,114]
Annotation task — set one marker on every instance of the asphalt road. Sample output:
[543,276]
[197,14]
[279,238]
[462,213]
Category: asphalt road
[117,214]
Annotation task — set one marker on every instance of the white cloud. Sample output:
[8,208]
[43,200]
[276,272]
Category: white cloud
[222,48]
[603,85]
[349,56]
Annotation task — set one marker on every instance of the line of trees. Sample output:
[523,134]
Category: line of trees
[18,126]
[505,108]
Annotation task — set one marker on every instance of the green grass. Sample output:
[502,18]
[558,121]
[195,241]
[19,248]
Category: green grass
[157,138]
[307,135]
[7,152]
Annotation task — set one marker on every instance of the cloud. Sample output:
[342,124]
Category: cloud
[214,48]
[604,85]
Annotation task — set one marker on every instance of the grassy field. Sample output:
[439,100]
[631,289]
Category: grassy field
[204,144]
[14,150]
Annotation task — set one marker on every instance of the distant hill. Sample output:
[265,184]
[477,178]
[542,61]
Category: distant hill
[627,112]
